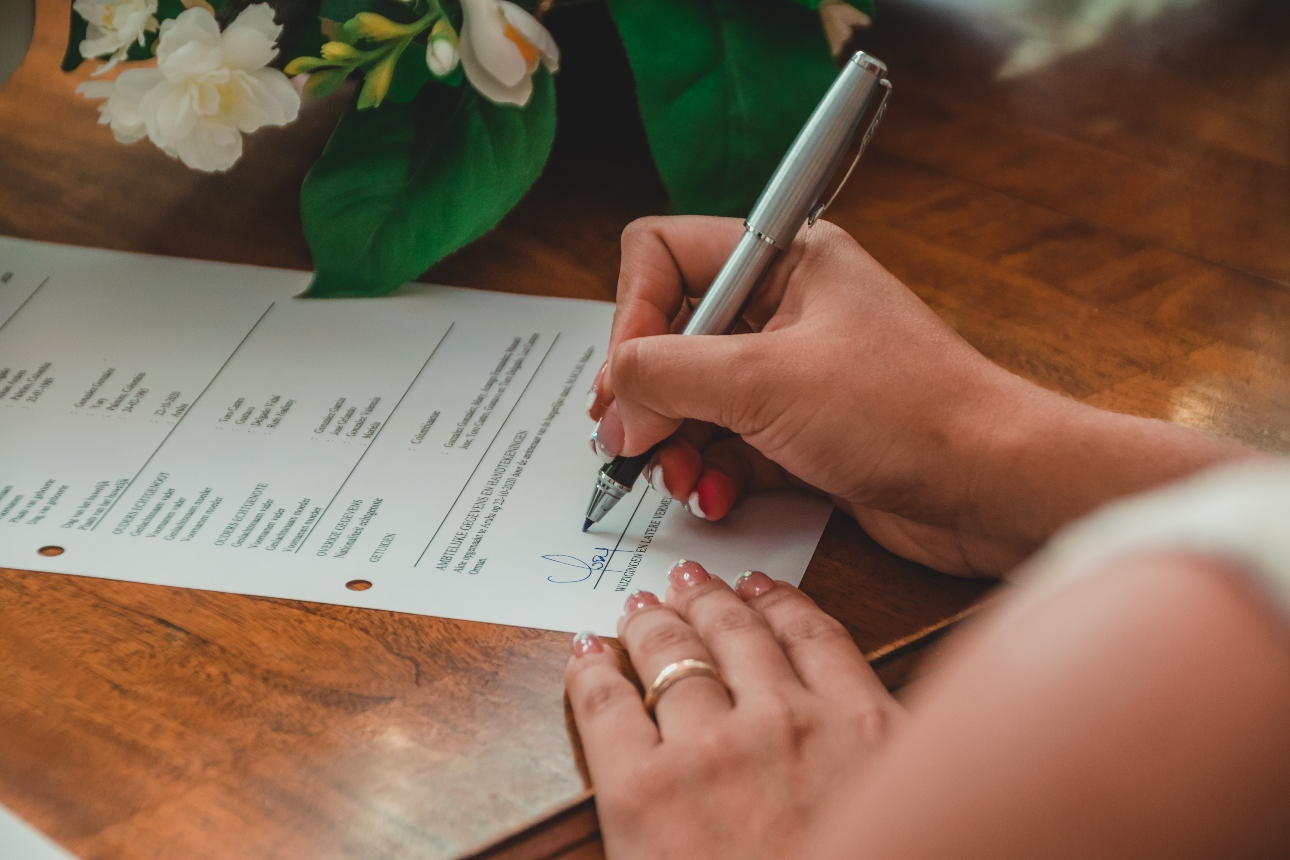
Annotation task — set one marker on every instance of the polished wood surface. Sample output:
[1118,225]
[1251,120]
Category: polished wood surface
[1115,227]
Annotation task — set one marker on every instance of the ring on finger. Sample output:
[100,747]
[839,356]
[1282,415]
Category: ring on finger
[678,671]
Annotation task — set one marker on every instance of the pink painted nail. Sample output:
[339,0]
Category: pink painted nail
[752,583]
[586,643]
[686,573]
[638,600]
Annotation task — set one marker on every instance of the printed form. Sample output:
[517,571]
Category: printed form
[192,424]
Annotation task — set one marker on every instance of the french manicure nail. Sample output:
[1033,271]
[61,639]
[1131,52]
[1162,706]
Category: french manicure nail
[686,573]
[586,643]
[639,600]
[591,397]
[598,448]
[752,583]
[609,433]
[693,505]
[656,481]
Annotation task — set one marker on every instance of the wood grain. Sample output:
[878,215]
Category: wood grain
[1115,227]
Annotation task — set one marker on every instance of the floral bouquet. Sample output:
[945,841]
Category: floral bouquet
[453,111]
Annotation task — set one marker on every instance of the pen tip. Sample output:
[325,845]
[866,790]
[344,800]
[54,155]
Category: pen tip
[586,525]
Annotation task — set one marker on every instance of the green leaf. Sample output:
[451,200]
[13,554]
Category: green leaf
[169,9]
[75,35]
[723,86]
[139,52]
[343,10]
[410,75]
[400,187]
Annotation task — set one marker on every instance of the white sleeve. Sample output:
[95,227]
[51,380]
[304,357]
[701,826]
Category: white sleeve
[1238,512]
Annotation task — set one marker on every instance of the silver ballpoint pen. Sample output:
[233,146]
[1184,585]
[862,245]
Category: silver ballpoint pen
[791,198]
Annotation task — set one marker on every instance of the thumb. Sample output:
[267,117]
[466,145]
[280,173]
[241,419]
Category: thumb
[661,381]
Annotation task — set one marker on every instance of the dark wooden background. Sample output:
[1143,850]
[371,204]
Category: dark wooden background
[1115,227]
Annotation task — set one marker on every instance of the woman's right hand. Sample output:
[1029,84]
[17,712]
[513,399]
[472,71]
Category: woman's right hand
[840,379]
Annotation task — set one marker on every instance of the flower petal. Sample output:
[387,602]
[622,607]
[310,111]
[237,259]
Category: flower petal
[246,48]
[191,28]
[121,110]
[483,36]
[211,146]
[260,98]
[537,35]
[490,87]
[258,17]
[170,112]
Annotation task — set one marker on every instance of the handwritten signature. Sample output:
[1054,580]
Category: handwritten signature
[597,564]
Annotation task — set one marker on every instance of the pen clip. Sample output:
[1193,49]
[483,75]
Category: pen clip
[818,209]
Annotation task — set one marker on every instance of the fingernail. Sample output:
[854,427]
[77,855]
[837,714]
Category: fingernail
[607,438]
[686,573]
[752,583]
[656,481]
[639,600]
[598,448]
[693,505]
[586,643]
[714,495]
[591,397]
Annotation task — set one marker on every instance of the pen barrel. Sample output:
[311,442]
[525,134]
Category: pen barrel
[806,168]
[727,294]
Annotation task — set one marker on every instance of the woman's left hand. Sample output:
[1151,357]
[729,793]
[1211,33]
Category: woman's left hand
[750,774]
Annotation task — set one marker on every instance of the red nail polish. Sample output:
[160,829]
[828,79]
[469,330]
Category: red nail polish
[713,496]
[686,573]
[639,600]
[752,583]
[586,643]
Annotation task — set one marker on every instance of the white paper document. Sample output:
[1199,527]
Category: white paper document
[20,841]
[192,424]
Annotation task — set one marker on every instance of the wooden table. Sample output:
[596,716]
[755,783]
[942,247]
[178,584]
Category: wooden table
[1116,227]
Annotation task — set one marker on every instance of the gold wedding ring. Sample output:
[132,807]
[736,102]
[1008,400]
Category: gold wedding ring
[677,671]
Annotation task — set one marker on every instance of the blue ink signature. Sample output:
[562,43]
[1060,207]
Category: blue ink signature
[596,565]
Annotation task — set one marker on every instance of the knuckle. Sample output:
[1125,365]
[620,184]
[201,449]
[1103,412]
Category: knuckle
[785,724]
[873,723]
[662,638]
[809,629]
[625,365]
[779,599]
[598,697]
[732,621]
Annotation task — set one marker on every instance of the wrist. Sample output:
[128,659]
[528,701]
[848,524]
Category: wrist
[1047,460]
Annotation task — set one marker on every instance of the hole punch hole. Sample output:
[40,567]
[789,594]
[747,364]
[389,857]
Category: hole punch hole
[51,551]
[352,585]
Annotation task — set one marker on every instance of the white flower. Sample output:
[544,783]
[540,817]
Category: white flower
[114,25]
[441,49]
[501,47]
[209,88]
[441,56]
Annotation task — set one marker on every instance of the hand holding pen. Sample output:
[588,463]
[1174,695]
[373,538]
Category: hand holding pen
[794,195]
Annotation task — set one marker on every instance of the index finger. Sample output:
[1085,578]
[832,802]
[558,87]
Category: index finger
[664,261]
